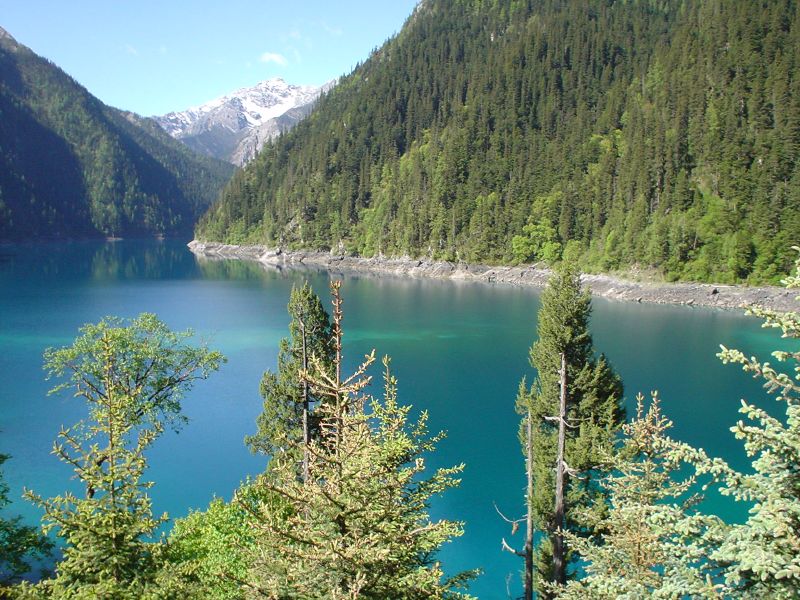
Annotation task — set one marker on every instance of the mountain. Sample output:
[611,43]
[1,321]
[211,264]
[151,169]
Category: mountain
[234,127]
[630,134]
[70,166]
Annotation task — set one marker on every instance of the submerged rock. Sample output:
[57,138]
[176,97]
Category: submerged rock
[606,286]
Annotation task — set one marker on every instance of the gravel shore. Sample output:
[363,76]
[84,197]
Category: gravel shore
[691,294]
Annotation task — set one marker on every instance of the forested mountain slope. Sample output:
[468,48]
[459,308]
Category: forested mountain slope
[630,133]
[71,166]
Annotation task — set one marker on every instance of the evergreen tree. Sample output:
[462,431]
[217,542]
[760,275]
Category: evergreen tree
[764,552]
[572,414]
[209,552]
[133,379]
[358,526]
[509,131]
[655,544]
[288,399]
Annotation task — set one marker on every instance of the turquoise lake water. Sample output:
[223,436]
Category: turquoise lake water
[458,350]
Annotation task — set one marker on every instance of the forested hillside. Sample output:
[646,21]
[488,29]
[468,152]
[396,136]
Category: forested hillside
[71,166]
[627,134]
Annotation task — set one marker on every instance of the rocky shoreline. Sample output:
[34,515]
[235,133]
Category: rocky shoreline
[606,286]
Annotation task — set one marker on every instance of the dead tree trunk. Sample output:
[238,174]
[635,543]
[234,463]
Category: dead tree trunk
[559,551]
[528,551]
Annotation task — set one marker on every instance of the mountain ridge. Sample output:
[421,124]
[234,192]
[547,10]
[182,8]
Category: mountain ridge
[4,35]
[624,134]
[73,167]
[233,127]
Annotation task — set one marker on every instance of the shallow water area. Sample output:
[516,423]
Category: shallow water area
[459,351]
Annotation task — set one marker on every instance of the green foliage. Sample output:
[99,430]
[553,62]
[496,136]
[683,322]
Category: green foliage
[594,413]
[132,379]
[538,243]
[658,148]
[763,552]
[206,553]
[358,525]
[72,167]
[654,544]
[284,392]
[19,544]
[144,367]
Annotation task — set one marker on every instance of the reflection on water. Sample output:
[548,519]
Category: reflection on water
[240,270]
[116,261]
[122,261]
[100,261]
[458,349]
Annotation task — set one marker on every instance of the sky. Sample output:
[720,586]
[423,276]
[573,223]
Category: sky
[153,57]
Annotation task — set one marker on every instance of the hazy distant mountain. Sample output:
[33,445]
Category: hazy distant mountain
[235,126]
[70,166]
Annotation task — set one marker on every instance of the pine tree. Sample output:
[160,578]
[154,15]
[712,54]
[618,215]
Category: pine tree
[764,552]
[133,379]
[358,526]
[571,415]
[210,551]
[288,401]
[655,544]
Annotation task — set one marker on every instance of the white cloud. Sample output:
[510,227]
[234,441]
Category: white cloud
[298,58]
[162,49]
[274,57]
[131,50]
[293,35]
[334,31]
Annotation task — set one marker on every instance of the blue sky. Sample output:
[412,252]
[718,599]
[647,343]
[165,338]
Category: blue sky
[153,57]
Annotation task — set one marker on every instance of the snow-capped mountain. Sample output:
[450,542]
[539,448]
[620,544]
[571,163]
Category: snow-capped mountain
[235,126]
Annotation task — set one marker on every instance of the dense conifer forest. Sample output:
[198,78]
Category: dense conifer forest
[71,166]
[630,135]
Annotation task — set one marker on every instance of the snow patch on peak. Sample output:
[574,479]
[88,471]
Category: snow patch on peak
[265,100]
[246,112]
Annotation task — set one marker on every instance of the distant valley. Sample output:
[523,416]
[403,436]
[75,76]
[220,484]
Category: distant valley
[73,167]
[234,127]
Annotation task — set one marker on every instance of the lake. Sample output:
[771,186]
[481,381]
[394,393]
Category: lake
[458,349]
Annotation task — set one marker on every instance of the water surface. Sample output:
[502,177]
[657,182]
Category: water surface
[458,349]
